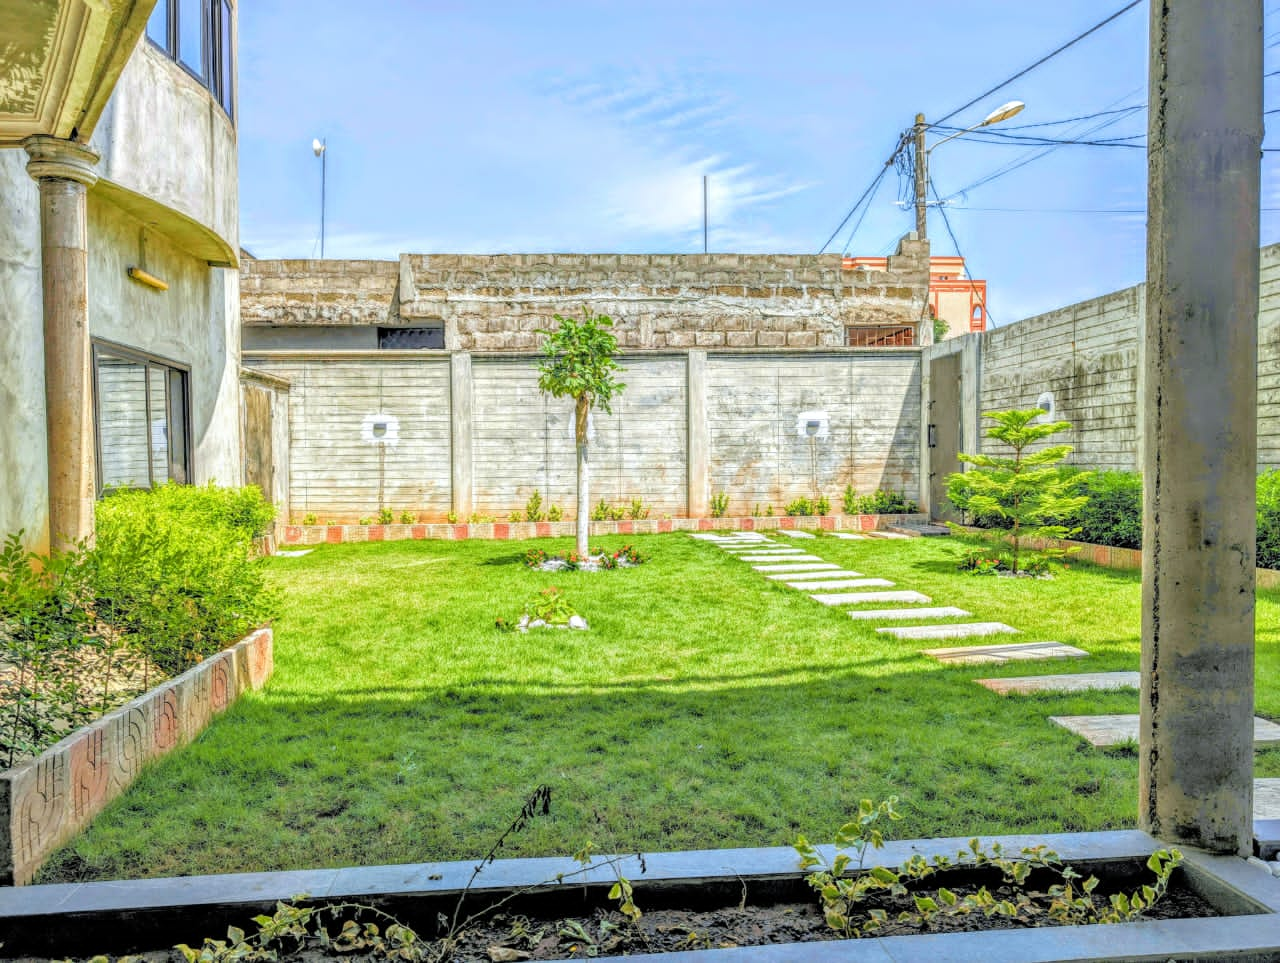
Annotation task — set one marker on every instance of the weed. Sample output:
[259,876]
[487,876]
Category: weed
[719,504]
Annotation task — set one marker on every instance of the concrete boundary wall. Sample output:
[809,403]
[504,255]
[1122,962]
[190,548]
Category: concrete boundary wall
[45,802]
[472,434]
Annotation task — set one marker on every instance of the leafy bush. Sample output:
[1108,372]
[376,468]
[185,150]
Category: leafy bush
[555,513]
[1113,515]
[800,507]
[822,506]
[175,568]
[1268,509]
[386,516]
[533,508]
[638,509]
[879,502]
[719,504]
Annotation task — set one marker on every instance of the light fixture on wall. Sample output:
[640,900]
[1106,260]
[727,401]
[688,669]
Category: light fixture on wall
[321,149]
[150,280]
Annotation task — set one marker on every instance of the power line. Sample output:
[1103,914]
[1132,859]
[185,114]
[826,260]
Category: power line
[865,195]
[1049,56]
[1071,120]
[861,217]
[998,137]
[956,244]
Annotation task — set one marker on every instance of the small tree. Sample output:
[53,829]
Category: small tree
[1031,490]
[578,363]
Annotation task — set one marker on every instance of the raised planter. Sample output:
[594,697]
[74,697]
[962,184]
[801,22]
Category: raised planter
[83,919]
[46,801]
[338,534]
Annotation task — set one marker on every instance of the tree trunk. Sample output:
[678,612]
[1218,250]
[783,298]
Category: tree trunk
[584,474]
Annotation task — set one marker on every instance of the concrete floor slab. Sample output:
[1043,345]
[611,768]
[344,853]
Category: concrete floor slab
[888,535]
[848,536]
[798,567]
[841,584]
[857,598]
[958,631]
[833,573]
[890,615]
[773,558]
[1117,729]
[794,534]
[1013,652]
[1076,682]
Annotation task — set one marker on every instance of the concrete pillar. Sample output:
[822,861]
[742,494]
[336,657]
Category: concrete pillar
[460,416]
[1205,130]
[65,171]
[699,437]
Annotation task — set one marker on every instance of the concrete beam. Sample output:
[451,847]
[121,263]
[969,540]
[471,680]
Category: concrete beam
[1200,433]
[460,408]
[699,455]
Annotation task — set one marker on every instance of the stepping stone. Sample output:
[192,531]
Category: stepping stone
[774,558]
[1266,799]
[848,536]
[1114,730]
[960,631]
[1078,682]
[918,529]
[763,547]
[944,612]
[1014,652]
[837,573]
[840,584]
[797,567]
[855,598]
[794,534]
[295,553]
[883,534]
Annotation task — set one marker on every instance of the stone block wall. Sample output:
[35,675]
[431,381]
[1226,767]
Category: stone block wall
[45,802]
[498,302]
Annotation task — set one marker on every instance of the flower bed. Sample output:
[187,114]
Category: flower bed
[46,801]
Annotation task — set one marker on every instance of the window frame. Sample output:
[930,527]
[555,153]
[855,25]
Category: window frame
[214,16]
[893,331]
[169,367]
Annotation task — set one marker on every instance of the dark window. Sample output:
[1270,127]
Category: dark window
[158,26]
[881,336]
[428,337]
[141,417]
[198,34]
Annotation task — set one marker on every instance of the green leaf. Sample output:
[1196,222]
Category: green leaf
[882,874]
[615,891]
[948,897]
[926,904]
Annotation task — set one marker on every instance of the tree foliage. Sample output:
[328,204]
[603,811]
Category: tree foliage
[1032,490]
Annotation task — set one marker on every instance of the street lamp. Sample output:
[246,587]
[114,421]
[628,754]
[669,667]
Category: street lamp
[1001,113]
[318,147]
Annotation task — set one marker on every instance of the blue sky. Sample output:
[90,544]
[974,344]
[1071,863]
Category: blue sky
[587,126]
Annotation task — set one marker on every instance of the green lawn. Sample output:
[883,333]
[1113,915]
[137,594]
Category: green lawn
[707,707]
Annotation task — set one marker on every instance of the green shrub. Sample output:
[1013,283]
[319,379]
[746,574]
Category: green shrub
[1113,514]
[176,570]
[800,507]
[719,504]
[1268,510]
[879,502]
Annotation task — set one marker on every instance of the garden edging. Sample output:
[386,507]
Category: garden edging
[337,534]
[46,801]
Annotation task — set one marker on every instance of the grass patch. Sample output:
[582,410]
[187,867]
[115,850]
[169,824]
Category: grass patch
[707,707]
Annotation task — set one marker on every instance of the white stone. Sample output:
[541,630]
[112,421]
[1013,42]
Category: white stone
[856,598]
[775,558]
[798,567]
[794,534]
[889,615]
[538,624]
[294,553]
[848,536]
[1259,863]
[577,622]
[958,631]
[833,573]
[841,584]
[1017,652]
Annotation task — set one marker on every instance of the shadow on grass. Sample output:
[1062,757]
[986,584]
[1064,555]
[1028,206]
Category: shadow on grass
[517,559]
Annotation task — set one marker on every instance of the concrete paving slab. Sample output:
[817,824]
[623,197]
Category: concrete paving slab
[848,536]
[1114,730]
[294,553]
[797,567]
[847,583]
[762,547]
[958,631]
[888,535]
[1266,799]
[857,598]
[772,558]
[1014,652]
[834,572]
[790,533]
[890,615]
[1076,682]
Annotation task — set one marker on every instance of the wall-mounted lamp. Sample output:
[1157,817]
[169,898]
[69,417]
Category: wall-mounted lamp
[150,280]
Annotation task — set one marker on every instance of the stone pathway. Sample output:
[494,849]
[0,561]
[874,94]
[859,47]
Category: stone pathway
[791,533]
[810,576]
[841,584]
[1266,799]
[848,536]
[855,598]
[1117,729]
[797,567]
[771,558]
[883,534]
[1079,682]
[958,631]
[943,612]
[997,654]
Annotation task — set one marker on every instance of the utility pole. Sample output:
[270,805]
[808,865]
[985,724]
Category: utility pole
[704,214]
[1195,756]
[922,181]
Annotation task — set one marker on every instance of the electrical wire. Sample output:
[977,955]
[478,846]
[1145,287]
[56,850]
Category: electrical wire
[1047,57]
[861,217]
[1071,120]
[956,244]
[997,137]
[866,194]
